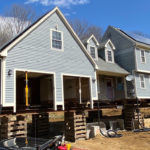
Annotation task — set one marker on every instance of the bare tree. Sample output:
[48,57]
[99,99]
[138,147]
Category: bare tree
[16,19]
[84,30]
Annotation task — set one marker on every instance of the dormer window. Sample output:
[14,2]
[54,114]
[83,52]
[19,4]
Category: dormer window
[93,52]
[109,56]
[56,40]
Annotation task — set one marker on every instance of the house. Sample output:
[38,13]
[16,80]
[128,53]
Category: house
[133,54]
[110,76]
[46,66]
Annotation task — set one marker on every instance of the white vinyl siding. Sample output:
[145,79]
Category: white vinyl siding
[142,81]
[143,59]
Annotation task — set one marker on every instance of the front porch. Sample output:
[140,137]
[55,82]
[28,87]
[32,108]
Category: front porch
[110,88]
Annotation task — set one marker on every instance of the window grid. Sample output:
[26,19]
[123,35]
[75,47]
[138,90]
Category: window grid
[143,60]
[142,81]
[56,40]
[92,51]
[109,56]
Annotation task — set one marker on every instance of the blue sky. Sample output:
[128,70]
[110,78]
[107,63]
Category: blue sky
[130,15]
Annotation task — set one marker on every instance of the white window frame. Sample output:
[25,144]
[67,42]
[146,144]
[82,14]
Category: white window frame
[96,57]
[142,75]
[106,55]
[142,56]
[51,40]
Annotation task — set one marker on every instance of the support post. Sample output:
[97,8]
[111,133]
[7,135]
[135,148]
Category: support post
[26,90]
[80,91]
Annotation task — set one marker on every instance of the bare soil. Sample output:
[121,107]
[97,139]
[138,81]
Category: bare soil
[129,141]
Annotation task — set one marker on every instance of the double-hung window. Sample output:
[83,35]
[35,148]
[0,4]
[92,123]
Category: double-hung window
[109,56]
[92,51]
[143,60]
[142,81]
[56,41]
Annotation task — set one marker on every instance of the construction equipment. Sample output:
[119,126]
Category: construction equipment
[26,90]
[41,144]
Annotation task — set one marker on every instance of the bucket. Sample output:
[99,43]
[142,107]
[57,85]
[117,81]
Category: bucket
[63,147]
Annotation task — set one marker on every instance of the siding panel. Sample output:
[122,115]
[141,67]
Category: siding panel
[34,53]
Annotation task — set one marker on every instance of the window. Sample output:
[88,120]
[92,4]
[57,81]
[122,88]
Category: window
[142,81]
[109,56]
[56,40]
[92,51]
[143,60]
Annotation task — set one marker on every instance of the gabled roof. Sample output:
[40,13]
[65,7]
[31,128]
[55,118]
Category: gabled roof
[137,39]
[94,39]
[4,49]
[104,43]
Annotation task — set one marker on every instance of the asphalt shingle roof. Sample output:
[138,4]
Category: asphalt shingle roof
[110,67]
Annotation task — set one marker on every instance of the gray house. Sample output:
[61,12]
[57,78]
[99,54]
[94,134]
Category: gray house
[133,54]
[47,66]
[110,76]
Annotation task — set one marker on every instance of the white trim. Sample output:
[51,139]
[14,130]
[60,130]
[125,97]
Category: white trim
[142,71]
[15,101]
[141,50]
[33,27]
[78,75]
[135,57]
[92,36]
[35,71]
[96,82]
[142,97]
[96,53]
[62,40]
[135,83]
[3,80]
[110,42]
[80,91]
[142,75]
[106,55]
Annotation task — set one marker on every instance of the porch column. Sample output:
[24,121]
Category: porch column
[80,91]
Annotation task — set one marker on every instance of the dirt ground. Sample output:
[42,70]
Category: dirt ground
[129,141]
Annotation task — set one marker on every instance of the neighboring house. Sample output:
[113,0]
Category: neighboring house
[110,76]
[133,54]
[50,57]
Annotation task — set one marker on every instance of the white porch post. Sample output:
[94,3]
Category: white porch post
[80,91]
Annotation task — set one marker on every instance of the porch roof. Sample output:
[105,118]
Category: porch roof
[110,67]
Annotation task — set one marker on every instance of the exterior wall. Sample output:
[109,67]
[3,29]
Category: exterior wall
[142,66]
[101,53]
[142,92]
[0,82]
[118,92]
[124,53]
[34,53]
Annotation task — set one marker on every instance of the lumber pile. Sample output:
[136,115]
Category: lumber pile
[13,126]
[75,126]
[40,125]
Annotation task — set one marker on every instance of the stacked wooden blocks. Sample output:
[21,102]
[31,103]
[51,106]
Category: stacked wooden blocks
[13,126]
[40,125]
[75,126]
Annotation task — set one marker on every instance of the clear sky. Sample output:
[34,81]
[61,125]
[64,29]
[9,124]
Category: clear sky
[129,15]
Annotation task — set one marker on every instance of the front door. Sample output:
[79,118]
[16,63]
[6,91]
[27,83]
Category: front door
[109,88]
